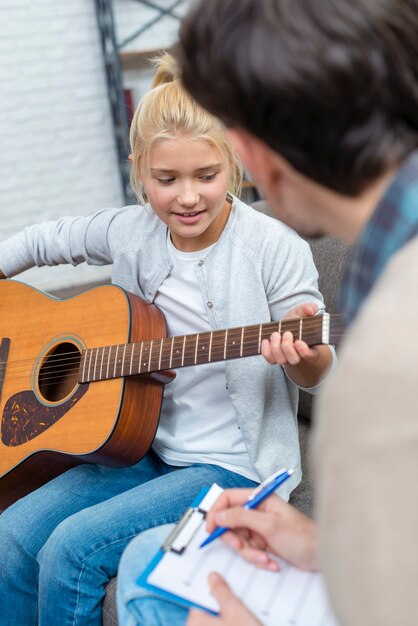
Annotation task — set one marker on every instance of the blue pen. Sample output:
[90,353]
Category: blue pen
[258,495]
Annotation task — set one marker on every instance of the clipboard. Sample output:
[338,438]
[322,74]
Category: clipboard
[178,573]
[177,541]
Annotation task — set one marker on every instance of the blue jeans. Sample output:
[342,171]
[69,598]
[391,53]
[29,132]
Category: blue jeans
[61,544]
[136,605]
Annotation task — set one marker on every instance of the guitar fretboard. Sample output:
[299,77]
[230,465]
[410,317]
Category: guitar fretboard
[168,353]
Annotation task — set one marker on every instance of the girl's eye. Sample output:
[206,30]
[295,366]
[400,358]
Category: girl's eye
[208,177]
[166,181]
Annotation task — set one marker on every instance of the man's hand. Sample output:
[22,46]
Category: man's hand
[2,275]
[275,526]
[232,611]
[304,364]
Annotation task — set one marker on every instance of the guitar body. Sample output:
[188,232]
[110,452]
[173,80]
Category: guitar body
[49,421]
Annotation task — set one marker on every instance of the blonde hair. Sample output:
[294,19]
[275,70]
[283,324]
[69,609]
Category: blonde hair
[168,111]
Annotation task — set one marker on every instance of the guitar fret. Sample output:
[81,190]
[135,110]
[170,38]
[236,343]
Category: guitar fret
[203,348]
[225,340]
[95,363]
[140,358]
[163,358]
[210,346]
[150,355]
[217,346]
[91,354]
[122,367]
[116,360]
[108,361]
[159,359]
[259,338]
[234,349]
[83,378]
[242,341]
[189,350]
[300,328]
[184,345]
[171,352]
[132,358]
[195,350]
[176,352]
[101,363]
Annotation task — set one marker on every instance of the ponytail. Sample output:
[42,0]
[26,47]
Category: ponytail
[167,111]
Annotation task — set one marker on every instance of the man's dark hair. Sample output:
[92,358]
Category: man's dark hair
[331,85]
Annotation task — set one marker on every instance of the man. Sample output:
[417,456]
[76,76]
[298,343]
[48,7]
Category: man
[321,99]
[322,103]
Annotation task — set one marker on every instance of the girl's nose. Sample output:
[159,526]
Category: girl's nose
[188,196]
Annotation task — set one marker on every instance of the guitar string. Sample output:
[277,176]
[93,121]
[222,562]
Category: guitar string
[191,337]
[62,374]
[217,353]
[254,329]
[75,357]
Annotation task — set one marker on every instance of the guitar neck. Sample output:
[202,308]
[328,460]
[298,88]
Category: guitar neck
[168,353]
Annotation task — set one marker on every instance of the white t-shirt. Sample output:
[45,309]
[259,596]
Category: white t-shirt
[198,422]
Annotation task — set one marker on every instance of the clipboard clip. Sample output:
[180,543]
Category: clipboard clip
[181,536]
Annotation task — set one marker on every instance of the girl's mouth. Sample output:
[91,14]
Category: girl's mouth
[189,217]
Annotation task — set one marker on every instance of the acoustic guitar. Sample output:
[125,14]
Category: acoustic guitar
[81,379]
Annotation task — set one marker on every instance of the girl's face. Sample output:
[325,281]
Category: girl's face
[186,185]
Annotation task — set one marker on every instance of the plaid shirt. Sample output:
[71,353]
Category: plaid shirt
[393,224]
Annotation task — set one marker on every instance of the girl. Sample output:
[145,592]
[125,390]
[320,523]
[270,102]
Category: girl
[209,262]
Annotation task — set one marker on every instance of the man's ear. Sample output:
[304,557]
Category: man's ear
[265,166]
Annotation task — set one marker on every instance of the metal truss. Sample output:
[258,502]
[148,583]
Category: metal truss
[114,75]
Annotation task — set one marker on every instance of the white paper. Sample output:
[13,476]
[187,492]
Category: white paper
[290,597]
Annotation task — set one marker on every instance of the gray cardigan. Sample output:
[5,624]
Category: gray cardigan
[256,272]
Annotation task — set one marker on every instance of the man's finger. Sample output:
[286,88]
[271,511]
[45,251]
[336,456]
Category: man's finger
[228,602]
[238,517]
[230,497]
[220,589]
[232,610]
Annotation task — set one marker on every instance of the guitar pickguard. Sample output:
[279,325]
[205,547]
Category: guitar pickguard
[24,417]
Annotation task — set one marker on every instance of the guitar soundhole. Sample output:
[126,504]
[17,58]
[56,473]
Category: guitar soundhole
[58,375]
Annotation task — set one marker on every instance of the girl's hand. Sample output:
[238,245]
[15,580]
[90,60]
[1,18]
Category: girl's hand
[282,350]
[275,526]
[232,610]
[305,365]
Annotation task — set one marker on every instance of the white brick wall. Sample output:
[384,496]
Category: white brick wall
[57,150]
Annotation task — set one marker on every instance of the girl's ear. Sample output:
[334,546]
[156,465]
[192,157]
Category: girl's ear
[130,159]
